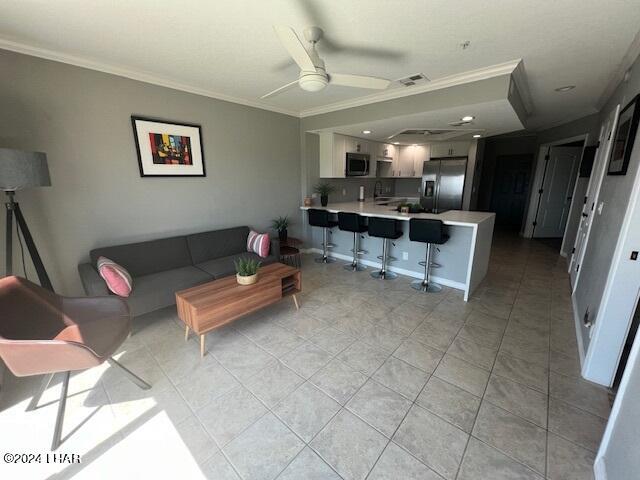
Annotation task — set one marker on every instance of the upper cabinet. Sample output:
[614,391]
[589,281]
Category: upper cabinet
[385,159]
[333,154]
[411,160]
[355,145]
[450,149]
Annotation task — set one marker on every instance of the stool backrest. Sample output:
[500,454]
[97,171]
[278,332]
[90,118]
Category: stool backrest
[383,227]
[426,230]
[351,222]
[318,218]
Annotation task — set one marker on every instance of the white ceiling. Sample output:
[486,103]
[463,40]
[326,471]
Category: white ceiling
[228,48]
[492,118]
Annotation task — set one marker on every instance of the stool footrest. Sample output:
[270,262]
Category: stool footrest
[431,265]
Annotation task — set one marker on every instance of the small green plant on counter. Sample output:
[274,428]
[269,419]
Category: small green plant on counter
[246,267]
[413,207]
[281,223]
[324,189]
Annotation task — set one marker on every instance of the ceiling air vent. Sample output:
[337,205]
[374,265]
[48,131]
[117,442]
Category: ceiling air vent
[416,79]
[425,131]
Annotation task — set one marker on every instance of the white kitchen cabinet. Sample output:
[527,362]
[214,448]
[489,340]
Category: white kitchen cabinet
[410,161]
[406,166]
[332,155]
[420,155]
[449,149]
[356,145]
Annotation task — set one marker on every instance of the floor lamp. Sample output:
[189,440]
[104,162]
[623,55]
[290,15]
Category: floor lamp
[20,170]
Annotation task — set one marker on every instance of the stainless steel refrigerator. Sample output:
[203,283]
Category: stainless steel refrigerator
[443,184]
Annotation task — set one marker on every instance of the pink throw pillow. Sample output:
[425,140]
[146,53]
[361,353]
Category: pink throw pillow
[258,243]
[115,276]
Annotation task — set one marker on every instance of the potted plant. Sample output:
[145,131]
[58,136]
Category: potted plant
[247,270]
[324,189]
[281,224]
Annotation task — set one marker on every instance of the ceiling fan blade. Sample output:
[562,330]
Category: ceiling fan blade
[280,89]
[359,81]
[294,46]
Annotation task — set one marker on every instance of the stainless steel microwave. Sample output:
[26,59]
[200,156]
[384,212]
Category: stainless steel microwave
[357,165]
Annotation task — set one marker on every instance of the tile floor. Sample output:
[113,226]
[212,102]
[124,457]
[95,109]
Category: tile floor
[368,379]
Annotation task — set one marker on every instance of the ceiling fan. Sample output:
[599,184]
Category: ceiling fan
[313,76]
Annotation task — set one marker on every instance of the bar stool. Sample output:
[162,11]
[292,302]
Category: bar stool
[352,222]
[322,218]
[430,232]
[387,229]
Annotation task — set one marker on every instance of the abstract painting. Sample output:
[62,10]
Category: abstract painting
[168,149]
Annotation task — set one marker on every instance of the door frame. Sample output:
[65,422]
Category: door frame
[630,235]
[606,146]
[538,180]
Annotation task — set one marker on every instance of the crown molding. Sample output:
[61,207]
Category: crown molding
[618,76]
[444,82]
[513,67]
[138,75]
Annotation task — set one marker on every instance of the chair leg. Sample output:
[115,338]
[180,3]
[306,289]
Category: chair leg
[57,433]
[33,404]
[130,375]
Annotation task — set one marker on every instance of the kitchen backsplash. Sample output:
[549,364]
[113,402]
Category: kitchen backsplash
[347,188]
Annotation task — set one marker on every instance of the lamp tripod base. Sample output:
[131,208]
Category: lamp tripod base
[13,209]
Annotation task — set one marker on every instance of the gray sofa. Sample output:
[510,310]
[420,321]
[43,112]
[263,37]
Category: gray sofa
[160,268]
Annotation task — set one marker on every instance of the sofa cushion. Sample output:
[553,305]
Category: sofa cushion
[206,246]
[145,258]
[158,290]
[223,267]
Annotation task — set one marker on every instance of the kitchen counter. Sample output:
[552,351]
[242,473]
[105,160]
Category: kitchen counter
[370,209]
[464,257]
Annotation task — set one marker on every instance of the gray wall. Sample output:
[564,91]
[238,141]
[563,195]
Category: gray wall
[605,230]
[589,124]
[81,119]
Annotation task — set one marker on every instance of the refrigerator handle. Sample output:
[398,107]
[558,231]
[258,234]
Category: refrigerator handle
[437,195]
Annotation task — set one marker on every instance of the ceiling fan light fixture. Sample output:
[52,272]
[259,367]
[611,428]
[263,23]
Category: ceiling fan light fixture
[313,82]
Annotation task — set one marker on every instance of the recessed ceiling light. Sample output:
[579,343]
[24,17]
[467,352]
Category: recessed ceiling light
[477,135]
[566,88]
[366,132]
[467,118]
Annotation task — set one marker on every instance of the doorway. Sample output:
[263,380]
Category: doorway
[510,190]
[555,195]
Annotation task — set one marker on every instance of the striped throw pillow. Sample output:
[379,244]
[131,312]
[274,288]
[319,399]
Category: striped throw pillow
[258,243]
[115,276]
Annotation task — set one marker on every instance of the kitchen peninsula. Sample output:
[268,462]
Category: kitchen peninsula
[464,258]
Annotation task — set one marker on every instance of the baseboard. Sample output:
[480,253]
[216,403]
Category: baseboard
[600,469]
[578,325]
[391,268]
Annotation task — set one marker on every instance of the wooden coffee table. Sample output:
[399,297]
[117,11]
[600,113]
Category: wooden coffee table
[212,305]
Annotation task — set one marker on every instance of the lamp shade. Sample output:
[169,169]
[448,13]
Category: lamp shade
[20,170]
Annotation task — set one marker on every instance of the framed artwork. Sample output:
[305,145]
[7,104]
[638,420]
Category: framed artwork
[168,149]
[623,138]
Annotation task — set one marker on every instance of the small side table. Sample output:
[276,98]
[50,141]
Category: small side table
[290,253]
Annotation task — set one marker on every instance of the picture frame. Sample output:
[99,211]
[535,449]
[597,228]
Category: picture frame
[168,148]
[624,137]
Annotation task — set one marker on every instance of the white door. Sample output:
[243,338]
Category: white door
[557,189]
[591,197]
